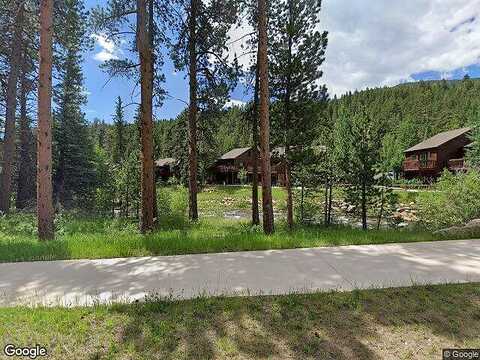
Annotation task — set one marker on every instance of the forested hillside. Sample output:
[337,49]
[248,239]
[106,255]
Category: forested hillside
[412,112]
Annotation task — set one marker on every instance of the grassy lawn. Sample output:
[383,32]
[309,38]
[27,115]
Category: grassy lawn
[96,238]
[81,236]
[407,323]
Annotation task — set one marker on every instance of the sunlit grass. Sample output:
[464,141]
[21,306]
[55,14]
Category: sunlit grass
[99,238]
[80,236]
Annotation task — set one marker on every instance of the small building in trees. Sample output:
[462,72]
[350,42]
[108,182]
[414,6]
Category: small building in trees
[429,158]
[236,167]
[165,168]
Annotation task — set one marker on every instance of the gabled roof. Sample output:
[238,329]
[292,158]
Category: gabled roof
[439,139]
[165,162]
[235,153]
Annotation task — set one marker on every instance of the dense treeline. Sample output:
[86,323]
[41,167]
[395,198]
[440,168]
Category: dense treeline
[411,113]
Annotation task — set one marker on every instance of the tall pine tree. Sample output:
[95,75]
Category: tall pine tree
[73,150]
[297,52]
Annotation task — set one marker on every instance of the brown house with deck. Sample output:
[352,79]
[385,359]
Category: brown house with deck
[429,158]
[230,167]
[165,168]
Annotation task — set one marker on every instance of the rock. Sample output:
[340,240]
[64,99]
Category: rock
[473,224]
[402,225]
[454,230]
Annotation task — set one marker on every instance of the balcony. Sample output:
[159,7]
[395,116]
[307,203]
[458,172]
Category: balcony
[419,165]
[226,168]
[456,165]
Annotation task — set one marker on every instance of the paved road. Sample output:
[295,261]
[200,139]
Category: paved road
[86,282]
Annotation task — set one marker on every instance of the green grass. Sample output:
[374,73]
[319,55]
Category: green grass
[214,200]
[407,323]
[79,236]
[96,238]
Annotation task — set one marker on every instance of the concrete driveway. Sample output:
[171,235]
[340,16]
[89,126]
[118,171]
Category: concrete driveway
[87,282]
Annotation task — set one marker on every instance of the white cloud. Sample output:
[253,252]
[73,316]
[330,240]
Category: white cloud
[237,44]
[108,52]
[384,42]
[233,102]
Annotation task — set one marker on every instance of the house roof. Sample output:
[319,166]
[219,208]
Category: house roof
[165,162]
[235,153]
[439,139]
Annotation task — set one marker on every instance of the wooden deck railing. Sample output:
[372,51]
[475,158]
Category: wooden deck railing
[456,164]
[417,165]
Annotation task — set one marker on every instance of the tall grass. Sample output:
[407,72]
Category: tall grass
[79,235]
[90,237]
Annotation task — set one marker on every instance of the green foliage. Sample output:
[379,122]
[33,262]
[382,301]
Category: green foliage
[105,190]
[411,113]
[455,201]
[172,204]
[358,140]
[216,75]
[473,154]
[73,152]
[119,123]
[113,19]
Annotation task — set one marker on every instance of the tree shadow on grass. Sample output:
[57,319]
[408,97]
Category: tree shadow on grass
[354,325]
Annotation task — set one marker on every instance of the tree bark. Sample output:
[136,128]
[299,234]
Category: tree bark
[255,211]
[192,113]
[151,33]
[364,207]
[44,136]
[382,204]
[146,128]
[11,105]
[288,186]
[302,211]
[268,221]
[287,125]
[330,196]
[325,207]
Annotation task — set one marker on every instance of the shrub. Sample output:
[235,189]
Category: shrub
[172,204]
[455,201]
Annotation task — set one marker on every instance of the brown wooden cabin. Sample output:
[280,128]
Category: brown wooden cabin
[227,169]
[429,158]
[165,168]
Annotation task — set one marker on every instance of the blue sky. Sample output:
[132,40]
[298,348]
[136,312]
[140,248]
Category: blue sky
[371,43]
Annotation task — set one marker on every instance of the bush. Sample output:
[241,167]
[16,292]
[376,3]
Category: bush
[455,201]
[172,205]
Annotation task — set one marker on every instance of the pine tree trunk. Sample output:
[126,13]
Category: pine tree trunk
[192,113]
[302,199]
[382,205]
[287,125]
[151,30]
[255,211]
[268,221]
[44,136]
[330,196]
[364,207]
[147,178]
[288,186]
[11,104]
[325,207]
[24,184]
